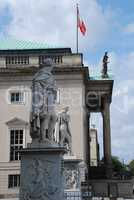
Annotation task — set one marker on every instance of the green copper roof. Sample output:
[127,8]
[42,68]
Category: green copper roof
[13,44]
[97,76]
[100,78]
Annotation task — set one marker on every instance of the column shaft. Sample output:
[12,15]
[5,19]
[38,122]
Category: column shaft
[107,133]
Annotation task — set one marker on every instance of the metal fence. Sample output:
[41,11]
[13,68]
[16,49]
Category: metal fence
[72,195]
[77,195]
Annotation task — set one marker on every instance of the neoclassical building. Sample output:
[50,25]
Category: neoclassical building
[19,61]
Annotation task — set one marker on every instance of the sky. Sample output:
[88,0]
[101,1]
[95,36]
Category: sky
[110,27]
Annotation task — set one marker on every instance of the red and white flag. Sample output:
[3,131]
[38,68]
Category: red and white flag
[80,23]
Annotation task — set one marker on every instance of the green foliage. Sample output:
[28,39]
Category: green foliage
[118,166]
[131,167]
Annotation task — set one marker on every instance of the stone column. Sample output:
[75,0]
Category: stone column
[87,142]
[106,132]
[88,139]
[88,147]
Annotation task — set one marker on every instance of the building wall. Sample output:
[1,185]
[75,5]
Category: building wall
[10,111]
[72,91]
[7,168]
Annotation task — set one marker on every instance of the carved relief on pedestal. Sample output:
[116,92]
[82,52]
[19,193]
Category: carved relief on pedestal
[40,184]
[71,179]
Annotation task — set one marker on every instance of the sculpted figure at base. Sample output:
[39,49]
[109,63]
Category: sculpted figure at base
[71,179]
[43,117]
[65,138]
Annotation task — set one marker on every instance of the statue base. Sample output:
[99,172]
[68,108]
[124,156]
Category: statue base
[42,173]
[105,76]
[43,144]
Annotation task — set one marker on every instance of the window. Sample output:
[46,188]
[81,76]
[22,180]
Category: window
[17,60]
[16,144]
[16,97]
[13,180]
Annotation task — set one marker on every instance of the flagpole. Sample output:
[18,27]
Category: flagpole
[77,36]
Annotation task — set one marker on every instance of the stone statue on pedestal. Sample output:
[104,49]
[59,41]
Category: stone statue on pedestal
[43,117]
[65,138]
[41,162]
[105,66]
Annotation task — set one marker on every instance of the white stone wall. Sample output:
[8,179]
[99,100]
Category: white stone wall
[7,168]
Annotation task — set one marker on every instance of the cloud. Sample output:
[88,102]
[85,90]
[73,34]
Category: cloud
[122,107]
[129,28]
[3,4]
[54,22]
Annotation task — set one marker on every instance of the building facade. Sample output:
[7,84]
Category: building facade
[76,89]
[18,64]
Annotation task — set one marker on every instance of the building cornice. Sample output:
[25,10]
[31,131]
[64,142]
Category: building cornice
[100,85]
[15,72]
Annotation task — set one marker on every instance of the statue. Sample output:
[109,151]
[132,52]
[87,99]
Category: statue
[43,117]
[105,66]
[65,138]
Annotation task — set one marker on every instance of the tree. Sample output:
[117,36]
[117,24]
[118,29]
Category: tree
[131,167]
[118,166]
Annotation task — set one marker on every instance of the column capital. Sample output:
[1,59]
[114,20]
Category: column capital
[106,98]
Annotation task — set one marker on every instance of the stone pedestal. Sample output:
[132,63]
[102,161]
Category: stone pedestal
[42,173]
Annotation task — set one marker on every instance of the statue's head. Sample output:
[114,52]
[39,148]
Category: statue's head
[48,61]
[106,53]
[48,64]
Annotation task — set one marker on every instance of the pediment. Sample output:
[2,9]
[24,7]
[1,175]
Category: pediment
[17,122]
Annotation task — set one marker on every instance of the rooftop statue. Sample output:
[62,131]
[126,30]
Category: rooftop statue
[43,117]
[105,65]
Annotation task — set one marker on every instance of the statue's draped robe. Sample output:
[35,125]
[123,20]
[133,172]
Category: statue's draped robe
[43,92]
[62,129]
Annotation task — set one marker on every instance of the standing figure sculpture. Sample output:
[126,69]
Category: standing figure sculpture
[105,66]
[43,117]
[65,138]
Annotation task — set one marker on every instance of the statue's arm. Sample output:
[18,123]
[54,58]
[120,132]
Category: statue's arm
[68,125]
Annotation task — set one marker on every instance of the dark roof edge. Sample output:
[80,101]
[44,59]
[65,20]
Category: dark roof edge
[66,50]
